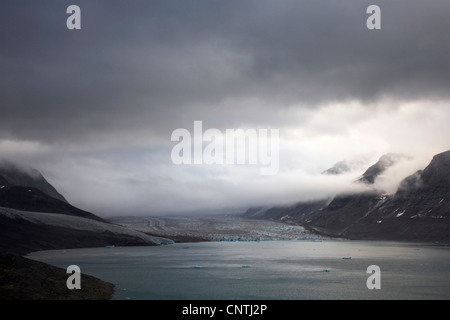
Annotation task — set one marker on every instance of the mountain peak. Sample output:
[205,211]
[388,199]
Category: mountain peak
[442,158]
[339,168]
[438,170]
[347,165]
[25,188]
[385,161]
[14,175]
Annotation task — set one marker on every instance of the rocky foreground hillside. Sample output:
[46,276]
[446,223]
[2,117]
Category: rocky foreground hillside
[418,211]
[25,279]
[35,216]
[14,175]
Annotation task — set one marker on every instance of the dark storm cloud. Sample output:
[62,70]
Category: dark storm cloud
[152,66]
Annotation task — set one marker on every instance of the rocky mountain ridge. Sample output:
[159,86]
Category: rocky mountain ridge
[419,210]
[14,175]
[35,216]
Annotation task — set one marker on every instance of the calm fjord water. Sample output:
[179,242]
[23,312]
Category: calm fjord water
[288,270]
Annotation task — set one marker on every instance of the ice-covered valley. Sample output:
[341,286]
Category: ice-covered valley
[214,228]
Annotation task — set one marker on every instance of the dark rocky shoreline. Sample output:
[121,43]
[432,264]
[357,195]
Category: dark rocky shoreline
[25,279]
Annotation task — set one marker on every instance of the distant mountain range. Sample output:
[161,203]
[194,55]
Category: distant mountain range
[35,216]
[419,210]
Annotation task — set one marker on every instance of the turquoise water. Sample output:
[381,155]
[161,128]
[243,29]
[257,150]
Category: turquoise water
[287,270]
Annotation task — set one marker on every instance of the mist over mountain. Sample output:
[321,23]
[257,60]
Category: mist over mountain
[385,161]
[355,164]
[14,175]
[35,216]
[94,111]
[425,194]
[418,210]
[25,188]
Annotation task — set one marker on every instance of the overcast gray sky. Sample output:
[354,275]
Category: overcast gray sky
[94,108]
